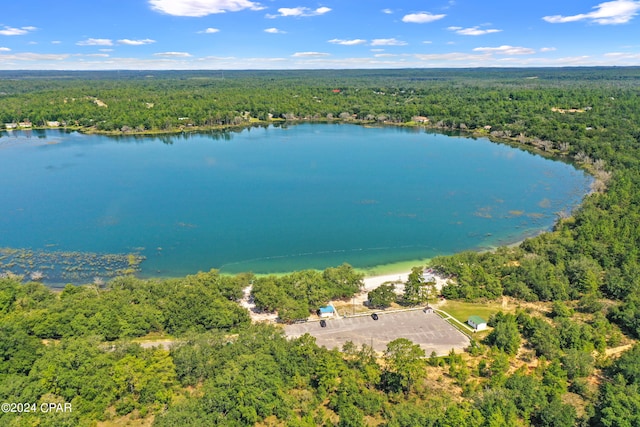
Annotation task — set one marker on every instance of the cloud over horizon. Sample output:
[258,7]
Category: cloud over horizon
[421,18]
[310,54]
[199,8]
[473,31]
[299,12]
[31,56]
[130,42]
[11,31]
[607,13]
[388,42]
[228,34]
[506,50]
[343,42]
[173,54]
[95,42]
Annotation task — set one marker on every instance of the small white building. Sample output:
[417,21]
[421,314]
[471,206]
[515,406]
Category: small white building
[477,323]
[327,311]
[10,126]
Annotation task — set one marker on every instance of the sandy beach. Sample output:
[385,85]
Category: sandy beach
[398,279]
[373,282]
[370,283]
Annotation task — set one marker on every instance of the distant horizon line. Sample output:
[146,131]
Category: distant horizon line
[325,69]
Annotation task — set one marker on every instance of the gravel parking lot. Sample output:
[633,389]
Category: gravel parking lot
[428,330]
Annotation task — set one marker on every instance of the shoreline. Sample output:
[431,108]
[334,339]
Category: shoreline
[372,282]
[399,268]
[373,275]
[526,144]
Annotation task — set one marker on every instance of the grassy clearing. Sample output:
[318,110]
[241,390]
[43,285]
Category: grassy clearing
[127,420]
[152,337]
[462,310]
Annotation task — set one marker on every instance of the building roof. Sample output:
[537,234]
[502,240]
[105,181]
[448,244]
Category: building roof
[476,319]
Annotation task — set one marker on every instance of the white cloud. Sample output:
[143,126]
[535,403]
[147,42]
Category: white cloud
[547,49]
[173,54]
[5,49]
[11,31]
[473,31]
[274,31]
[136,42]
[209,31]
[198,8]
[387,11]
[607,13]
[95,42]
[452,56]
[29,56]
[578,60]
[388,42]
[352,42]
[300,11]
[622,55]
[216,58]
[56,42]
[98,55]
[32,61]
[105,50]
[263,60]
[506,50]
[427,42]
[421,18]
[309,54]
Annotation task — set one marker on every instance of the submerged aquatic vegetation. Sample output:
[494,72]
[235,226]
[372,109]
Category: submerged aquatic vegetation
[55,267]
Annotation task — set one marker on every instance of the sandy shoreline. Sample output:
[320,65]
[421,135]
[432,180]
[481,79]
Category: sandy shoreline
[373,282]
[370,283]
[398,279]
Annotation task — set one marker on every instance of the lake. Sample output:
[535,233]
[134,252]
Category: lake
[275,199]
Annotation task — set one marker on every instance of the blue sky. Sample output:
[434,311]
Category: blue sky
[302,34]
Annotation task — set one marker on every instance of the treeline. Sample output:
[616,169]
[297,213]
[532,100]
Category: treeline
[513,102]
[294,296]
[126,308]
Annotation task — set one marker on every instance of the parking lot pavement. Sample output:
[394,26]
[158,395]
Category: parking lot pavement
[428,330]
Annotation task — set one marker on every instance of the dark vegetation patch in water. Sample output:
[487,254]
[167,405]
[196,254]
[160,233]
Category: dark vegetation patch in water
[60,267]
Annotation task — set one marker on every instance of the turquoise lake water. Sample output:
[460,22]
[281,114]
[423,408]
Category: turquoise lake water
[272,199]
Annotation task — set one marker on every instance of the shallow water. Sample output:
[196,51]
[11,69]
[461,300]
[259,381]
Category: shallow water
[273,199]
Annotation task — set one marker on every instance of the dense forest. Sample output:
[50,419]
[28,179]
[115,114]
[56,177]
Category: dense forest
[565,356]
